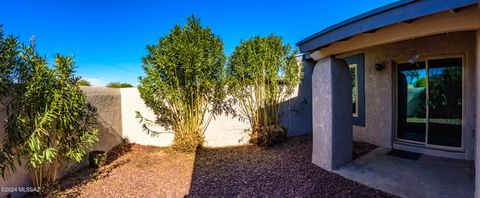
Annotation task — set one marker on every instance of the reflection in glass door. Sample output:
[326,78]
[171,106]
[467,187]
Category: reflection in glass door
[411,102]
[445,102]
[430,103]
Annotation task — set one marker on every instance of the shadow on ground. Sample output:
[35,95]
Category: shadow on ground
[88,174]
[284,170]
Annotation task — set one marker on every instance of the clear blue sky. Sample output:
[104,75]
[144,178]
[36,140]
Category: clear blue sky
[108,38]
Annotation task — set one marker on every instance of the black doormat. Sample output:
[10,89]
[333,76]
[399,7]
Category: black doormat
[404,154]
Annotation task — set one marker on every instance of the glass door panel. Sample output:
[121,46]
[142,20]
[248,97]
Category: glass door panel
[412,117]
[445,102]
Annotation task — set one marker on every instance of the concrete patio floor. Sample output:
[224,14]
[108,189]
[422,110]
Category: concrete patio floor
[426,177]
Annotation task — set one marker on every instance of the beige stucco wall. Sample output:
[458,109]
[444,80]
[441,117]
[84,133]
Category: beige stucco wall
[117,119]
[222,131]
[379,88]
[132,129]
[107,101]
[20,177]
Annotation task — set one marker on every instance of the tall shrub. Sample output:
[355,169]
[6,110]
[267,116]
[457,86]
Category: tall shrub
[49,119]
[184,80]
[263,72]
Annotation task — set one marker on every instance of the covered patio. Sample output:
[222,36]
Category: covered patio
[391,65]
[426,176]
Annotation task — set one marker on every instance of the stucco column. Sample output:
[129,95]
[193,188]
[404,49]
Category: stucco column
[477,117]
[332,113]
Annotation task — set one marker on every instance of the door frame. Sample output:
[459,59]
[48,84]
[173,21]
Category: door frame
[425,144]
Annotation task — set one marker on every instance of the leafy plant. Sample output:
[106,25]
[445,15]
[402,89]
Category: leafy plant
[49,119]
[184,80]
[412,75]
[97,158]
[118,85]
[83,82]
[421,82]
[263,72]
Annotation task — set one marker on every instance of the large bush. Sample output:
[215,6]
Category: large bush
[49,119]
[263,72]
[184,82]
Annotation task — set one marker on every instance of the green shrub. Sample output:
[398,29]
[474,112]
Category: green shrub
[118,85]
[184,83]
[268,135]
[97,158]
[263,72]
[83,82]
[49,119]
[421,82]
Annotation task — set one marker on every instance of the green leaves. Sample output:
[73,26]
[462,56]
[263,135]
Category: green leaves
[184,79]
[262,73]
[49,119]
[118,85]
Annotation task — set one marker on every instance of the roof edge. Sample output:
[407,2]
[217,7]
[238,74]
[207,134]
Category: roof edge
[384,16]
[356,18]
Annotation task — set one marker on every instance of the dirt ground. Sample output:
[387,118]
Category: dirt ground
[247,171]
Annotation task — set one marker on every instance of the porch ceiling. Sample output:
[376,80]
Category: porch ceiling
[396,12]
[466,18]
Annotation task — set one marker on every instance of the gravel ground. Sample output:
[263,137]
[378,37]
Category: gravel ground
[137,171]
[281,171]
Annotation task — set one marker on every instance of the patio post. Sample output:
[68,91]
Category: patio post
[477,117]
[332,113]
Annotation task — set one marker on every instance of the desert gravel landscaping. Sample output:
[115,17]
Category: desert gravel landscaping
[284,170]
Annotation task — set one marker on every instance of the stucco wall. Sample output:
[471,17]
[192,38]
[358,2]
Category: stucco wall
[20,177]
[117,119]
[107,101]
[379,108]
[296,114]
[223,130]
[132,129]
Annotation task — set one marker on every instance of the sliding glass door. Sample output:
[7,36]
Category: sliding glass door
[429,98]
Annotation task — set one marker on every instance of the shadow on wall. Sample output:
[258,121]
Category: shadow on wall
[77,178]
[109,114]
[296,111]
[108,139]
[107,101]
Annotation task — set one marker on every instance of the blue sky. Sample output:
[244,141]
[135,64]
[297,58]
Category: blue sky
[108,38]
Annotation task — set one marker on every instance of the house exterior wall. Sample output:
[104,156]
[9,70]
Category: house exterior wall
[477,153]
[379,85]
